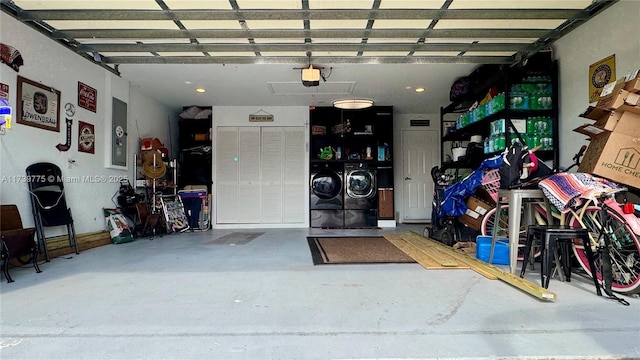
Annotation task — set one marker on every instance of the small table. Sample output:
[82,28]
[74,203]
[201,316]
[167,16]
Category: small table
[515,198]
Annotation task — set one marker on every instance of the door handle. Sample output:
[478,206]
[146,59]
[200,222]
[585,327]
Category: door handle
[407,178]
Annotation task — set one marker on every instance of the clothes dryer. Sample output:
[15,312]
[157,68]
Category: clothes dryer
[326,200]
[360,195]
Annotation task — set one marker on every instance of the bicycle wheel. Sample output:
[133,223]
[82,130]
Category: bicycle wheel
[489,221]
[624,250]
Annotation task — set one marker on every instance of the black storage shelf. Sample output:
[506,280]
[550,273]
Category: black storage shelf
[365,161]
[195,166]
[358,133]
[503,80]
[480,127]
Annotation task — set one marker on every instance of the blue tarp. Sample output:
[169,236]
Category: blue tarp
[454,203]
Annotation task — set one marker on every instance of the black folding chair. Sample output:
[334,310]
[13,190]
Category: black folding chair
[48,203]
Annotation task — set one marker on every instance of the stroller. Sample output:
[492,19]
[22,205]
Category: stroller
[442,229]
[449,201]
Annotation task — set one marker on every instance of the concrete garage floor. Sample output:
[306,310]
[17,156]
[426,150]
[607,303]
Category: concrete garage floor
[181,297]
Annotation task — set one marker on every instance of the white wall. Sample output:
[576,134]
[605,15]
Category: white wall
[53,65]
[614,31]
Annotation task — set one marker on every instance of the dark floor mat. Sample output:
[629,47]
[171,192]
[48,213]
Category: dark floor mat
[236,238]
[355,250]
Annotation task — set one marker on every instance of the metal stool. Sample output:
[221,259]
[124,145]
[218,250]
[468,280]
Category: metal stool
[516,198]
[549,237]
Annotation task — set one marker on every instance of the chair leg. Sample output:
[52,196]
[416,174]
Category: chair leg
[547,254]
[34,256]
[5,268]
[42,240]
[566,259]
[527,252]
[71,230]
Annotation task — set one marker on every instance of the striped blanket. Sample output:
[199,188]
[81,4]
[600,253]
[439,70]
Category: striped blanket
[567,190]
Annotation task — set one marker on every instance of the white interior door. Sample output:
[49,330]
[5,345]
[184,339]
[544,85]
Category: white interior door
[271,170]
[420,154]
[249,175]
[226,195]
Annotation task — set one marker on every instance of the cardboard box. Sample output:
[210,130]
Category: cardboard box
[615,156]
[629,124]
[608,122]
[616,98]
[632,86]
[594,113]
[476,210]
[632,82]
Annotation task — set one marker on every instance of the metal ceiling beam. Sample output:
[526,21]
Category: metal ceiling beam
[398,14]
[295,33]
[303,60]
[301,47]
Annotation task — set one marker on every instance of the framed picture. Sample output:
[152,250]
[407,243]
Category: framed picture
[38,105]
[86,137]
[87,97]
[600,74]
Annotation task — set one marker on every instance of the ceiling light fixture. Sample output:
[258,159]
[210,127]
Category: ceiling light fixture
[352,104]
[420,89]
[200,90]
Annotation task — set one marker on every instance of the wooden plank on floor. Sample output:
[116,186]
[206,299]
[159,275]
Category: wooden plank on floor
[59,245]
[432,246]
[420,256]
[505,276]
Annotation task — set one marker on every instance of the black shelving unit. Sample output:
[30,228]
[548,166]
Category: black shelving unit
[538,67]
[350,132]
[363,136]
[195,145]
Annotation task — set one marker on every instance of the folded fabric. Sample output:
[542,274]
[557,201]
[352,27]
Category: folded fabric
[567,190]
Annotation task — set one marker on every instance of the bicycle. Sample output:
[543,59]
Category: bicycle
[600,214]
[615,242]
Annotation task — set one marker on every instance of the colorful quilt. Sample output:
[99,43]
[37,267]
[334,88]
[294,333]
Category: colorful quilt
[567,190]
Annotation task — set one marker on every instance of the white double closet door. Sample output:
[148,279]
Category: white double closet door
[260,175]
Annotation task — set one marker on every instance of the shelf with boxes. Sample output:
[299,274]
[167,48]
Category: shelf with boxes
[518,104]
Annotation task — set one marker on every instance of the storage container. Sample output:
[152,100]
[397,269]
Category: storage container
[500,253]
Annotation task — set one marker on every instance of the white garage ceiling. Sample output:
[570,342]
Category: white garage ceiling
[250,52]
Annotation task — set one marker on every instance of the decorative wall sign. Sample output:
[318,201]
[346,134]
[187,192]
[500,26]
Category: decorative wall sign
[11,56]
[4,91]
[600,74]
[66,146]
[69,109]
[38,105]
[86,137]
[87,97]
[261,116]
